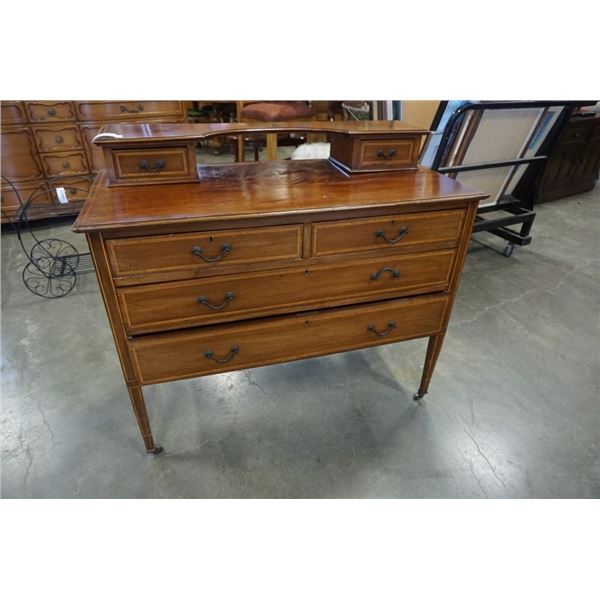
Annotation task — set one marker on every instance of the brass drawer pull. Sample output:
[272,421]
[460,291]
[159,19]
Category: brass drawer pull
[139,108]
[232,352]
[377,276]
[58,139]
[380,233]
[158,165]
[386,155]
[229,296]
[391,327]
[225,248]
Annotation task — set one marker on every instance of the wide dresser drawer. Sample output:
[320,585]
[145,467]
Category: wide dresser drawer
[402,231]
[201,251]
[124,110]
[217,299]
[214,349]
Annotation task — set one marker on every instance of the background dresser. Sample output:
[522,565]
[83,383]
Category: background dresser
[49,143]
[217,268]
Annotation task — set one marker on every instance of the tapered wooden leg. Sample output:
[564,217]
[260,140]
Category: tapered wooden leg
[139,408]
[433,351]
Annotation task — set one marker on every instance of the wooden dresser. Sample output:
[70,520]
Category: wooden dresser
[207,269]
[46,144]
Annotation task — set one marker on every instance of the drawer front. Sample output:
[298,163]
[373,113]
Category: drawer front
[234,297]
[50,111]
[19,155]
[163,163]
[388,154]
[50,139]
[220,348]
[10,200]
[64,163]
[12,113]
[76,189]
[201,251]
[385,233]
[125,110]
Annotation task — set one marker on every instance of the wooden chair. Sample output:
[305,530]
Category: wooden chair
[270,112]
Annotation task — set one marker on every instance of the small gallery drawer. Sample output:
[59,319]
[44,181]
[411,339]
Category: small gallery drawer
[218,299]
[385,233]
[64,163]
[163,163]
[201,251]
[13,113]
[50,111]
[50,139]
[215,349]
[131,109]
[387,154]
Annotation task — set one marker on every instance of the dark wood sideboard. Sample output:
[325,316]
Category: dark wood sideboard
[574,164]
[46,144]
[208,269]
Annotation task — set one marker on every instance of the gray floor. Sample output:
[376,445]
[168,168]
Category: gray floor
[512,410]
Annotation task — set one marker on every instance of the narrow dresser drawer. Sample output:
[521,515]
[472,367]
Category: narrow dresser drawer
[163,163]
[50,111]
[64,163]
[122,111]
[382,233]
[49,139]
[201,251]
[147,308]
[206,350]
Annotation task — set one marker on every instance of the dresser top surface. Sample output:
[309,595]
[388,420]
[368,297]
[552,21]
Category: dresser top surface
[262,189]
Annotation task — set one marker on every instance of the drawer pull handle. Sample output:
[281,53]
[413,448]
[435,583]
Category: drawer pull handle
[158,165]
[51,112]
[377,276]
[139,108]
[380,233]
[66,164]
[225,248]
[386,155]
[232,352]
[229,296]
[58,139]
[391,327]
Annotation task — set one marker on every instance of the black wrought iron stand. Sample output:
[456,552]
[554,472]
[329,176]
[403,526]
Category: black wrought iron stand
[53,264]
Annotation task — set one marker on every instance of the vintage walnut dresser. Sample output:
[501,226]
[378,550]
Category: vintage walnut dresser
[207,269]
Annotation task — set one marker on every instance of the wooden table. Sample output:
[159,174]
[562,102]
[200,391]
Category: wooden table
[253,264]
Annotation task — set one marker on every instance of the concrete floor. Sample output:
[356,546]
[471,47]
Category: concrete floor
[512,410]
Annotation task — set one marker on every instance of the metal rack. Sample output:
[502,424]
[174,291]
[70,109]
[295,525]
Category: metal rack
[53,264]
[515,208]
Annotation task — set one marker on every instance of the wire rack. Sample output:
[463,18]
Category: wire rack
[53,264]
